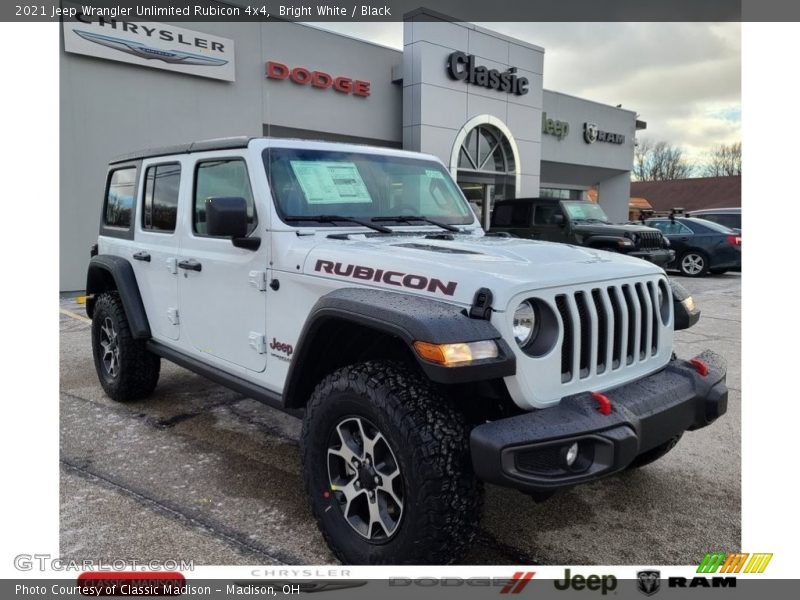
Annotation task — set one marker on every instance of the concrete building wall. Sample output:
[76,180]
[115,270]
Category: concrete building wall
[109,108]
[436,108]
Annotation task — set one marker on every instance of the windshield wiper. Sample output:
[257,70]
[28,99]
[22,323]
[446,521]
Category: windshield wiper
[334,219]
[409,219]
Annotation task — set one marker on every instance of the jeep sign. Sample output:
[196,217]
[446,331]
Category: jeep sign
[553,127]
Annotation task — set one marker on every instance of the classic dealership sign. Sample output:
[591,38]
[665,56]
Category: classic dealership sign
[154,45]
[461,66]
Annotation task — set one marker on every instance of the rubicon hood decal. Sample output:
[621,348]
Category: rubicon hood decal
[149,52]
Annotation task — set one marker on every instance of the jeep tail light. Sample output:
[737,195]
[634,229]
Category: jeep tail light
[453,355]
[735,240]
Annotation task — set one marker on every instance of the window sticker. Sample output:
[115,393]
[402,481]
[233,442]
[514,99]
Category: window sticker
[434,174]
[331,182]
[576,211]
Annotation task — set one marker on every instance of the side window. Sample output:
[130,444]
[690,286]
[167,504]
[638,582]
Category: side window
[670,228]
[119,197]
[501,217]
[220,179]
[160,206]
[521,215]
[544,214]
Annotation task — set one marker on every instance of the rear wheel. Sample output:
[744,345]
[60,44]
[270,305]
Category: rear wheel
[693,263]
[387,467]
[126,369]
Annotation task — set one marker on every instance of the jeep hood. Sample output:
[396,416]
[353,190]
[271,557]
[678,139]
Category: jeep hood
[611,228]
[454,269]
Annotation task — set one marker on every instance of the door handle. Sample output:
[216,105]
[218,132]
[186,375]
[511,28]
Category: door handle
[190,265]
[141,256]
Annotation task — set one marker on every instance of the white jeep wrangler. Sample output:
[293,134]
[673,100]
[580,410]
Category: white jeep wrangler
[353,286]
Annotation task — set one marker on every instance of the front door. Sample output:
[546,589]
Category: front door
[222,288]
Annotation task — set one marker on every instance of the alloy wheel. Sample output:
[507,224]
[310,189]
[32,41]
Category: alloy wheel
[364,477]
[110,347]
[693,264]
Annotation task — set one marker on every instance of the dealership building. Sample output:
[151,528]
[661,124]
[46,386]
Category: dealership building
[468,95]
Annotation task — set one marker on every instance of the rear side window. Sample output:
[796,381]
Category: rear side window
[220,179]
[160,207]
[119,197]
[512,215]
[545,214]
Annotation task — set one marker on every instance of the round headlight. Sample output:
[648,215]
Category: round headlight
[524,323]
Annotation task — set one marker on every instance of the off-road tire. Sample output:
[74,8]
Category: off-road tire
[654,454]
[430,440]
[137,370]
[688,271]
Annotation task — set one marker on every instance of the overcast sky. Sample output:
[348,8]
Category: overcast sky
[684,79]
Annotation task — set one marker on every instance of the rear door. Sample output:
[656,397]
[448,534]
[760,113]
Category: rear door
[155,252]
[513,217]
[222,288]
[679,235]
[545,226]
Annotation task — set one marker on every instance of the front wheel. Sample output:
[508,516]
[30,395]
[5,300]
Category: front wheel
[387,467]
[693,263]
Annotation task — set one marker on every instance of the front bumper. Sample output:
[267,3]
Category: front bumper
[527,451]
[660,258]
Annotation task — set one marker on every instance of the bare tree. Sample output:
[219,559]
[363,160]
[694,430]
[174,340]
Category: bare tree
[655,161]
[724,161]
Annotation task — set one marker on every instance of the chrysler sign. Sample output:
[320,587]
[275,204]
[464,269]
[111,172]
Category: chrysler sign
[154,45]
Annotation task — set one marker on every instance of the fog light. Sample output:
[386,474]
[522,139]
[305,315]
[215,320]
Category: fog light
[572,454]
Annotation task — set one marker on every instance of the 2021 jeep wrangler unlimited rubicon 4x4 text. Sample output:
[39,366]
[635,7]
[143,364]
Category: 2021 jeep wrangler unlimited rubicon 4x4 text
[354,287]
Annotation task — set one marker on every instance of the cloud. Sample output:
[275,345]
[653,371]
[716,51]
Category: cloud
[684,79]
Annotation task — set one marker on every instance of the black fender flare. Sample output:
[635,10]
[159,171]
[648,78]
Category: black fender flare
[410,318]
[110,272]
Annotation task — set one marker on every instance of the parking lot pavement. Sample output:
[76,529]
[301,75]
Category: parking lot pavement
[200,472]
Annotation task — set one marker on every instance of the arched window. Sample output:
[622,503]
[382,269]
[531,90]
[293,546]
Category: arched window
[486,149]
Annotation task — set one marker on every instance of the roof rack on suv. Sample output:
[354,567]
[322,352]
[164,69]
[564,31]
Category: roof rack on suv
[201,146]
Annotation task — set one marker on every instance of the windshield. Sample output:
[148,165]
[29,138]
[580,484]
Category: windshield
[308,183]
[585,211]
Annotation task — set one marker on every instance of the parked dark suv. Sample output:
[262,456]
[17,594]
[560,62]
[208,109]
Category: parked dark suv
[581,223]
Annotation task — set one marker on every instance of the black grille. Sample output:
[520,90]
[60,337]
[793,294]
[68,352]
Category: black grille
[649,240]
[608,328]
[543,461]
[566,346]
[602,330]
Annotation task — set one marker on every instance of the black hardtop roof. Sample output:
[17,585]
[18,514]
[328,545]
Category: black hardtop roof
[227,143]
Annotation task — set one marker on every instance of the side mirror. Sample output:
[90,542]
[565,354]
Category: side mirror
[559,220]
[227,217]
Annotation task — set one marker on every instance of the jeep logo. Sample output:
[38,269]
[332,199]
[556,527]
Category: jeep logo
[287,349]
[414,282]
[595,583]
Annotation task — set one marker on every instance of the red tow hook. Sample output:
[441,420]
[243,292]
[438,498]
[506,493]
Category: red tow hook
[603,403]
[700,366]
